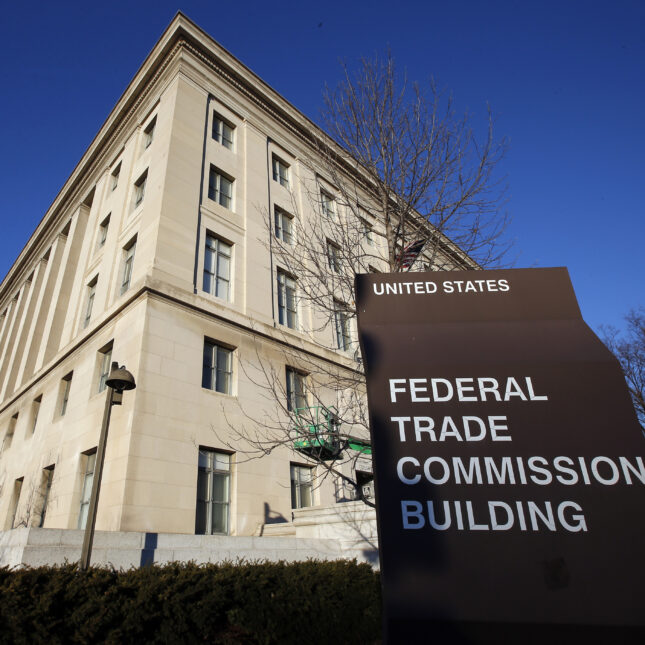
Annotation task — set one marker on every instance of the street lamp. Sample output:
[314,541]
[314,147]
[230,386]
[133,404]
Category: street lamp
[118,381]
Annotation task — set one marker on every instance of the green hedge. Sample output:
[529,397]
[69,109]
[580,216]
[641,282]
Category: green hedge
[270,602]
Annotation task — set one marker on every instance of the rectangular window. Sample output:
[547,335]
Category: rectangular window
[333,256]
[13,506]
[217,370]
[149,133]
[103,231]
[296,390]
[213,493]
[283,226]
[327,204]
[222,131]
[11,429]
[140,188]
[217,268]
[280,171]
[287,306]
[341,320]
[128,261]
[368,233]
[91,293]
[105,356]
[301,486]
[86,490]
[35,410]
[115,176]
[66,385]
[48,476]
[220,188]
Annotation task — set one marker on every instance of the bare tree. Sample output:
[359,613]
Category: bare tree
[629,349]
[401,168]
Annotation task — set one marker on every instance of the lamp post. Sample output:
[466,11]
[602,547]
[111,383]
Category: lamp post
[118,380]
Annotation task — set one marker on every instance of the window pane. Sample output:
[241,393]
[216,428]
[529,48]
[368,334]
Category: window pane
[219,518]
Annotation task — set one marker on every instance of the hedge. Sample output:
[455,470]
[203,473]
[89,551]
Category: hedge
[269,602]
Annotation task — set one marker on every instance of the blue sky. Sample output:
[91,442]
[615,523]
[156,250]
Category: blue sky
[566,81]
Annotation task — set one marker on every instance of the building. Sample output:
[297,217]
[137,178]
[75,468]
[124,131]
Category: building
[156,254]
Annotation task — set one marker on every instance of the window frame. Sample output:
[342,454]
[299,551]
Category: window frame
[218,131]
[296,389]
[333,256]
[128,262]
[103,231]
[280,171]
[215,257]
[215,192]
[296,472]
[368,232]
[211,471]
[86,487]
[89,301]
[35,412]
[341,326]
[104,367]
[48,474]
[287,286]
[10,432]
[211,378]
[140,189]
[66,385]
[327,204]
[149,133]
[282,232]
[115,176]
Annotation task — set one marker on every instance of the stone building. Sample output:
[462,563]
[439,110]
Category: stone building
[156,254]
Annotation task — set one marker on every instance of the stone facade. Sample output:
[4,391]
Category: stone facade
[181,173]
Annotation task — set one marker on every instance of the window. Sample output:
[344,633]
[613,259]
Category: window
[66,386]
[86,491]
[283,226]
[301,486]
[149,132]
[220,188]
[91,293]
[15,499]
[368,233]
[48,476]
[213,492]
[127,264]
[333,256]
[222,131]
[327,204]
[217,372]
[280,171]
[287,307]
[11,429]
[365,481]
[140,188]
[103,231]
[341,320]
[115,176]
[35,409]
[105,356]
[217,268]
[296,390]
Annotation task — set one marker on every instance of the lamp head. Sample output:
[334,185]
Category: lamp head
[120,379]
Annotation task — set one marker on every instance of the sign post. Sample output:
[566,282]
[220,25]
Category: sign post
[509,469]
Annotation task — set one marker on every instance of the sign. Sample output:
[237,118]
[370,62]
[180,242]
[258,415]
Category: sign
[509,470]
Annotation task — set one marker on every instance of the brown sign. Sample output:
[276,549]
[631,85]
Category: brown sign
[509,468]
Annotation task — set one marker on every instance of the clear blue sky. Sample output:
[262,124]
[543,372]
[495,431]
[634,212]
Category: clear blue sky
[566,80]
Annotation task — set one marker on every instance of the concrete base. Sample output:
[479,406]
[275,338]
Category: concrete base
[342,531]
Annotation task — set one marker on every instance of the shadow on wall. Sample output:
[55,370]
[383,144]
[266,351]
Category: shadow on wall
[148,551]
